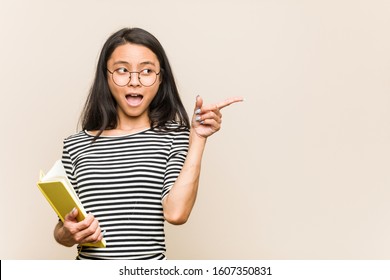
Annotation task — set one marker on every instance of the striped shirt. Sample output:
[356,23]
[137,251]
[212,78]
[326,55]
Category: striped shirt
[122,180]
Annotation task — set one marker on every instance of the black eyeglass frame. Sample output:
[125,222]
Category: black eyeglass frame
[139,77]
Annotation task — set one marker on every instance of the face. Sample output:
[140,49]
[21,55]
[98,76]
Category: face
[133,99]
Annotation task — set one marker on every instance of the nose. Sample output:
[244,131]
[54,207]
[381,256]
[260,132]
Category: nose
[134,79]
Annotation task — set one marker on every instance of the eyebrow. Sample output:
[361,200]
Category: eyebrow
[142,63]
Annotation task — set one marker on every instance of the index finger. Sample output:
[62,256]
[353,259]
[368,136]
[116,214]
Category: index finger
[229,101]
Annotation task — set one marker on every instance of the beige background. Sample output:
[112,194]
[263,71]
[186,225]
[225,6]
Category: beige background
[300,170]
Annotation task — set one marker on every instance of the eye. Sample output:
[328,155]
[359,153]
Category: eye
[146,72]
[122,70]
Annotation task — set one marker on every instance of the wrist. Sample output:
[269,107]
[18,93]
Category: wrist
[195,138]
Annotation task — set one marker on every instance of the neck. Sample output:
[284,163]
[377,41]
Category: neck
[132,125]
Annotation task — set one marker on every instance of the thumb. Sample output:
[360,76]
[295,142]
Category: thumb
[71,216]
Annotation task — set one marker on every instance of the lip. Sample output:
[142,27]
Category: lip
[134,99]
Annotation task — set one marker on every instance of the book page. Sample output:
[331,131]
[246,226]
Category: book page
[58,173]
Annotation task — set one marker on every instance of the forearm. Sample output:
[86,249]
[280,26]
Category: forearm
[180,200]
[206,120]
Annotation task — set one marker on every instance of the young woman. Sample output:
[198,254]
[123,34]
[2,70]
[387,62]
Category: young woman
[136,163]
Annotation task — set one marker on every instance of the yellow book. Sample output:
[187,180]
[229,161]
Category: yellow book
[62,197]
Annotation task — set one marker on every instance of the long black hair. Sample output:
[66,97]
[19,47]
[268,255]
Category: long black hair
[100,108]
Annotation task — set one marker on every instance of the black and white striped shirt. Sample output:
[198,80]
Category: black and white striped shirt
[122,180]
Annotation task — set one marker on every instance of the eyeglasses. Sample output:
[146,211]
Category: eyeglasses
[121,77]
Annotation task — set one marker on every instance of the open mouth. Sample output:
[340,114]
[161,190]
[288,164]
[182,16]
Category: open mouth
[134,99]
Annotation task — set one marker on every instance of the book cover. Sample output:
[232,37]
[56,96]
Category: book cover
[62,197]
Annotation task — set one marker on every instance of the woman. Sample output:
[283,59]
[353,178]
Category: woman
[137,160]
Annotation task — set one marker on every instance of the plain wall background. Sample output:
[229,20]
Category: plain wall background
[300,170]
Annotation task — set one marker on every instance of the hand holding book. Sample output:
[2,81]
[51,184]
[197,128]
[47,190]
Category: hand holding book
[86,232]
[76,223]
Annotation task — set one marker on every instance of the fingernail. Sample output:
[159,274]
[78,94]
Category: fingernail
[103,233]
[202,122]
[197,111]
[197,118]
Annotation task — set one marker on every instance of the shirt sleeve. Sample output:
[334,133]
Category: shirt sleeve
[176,158]
[68,166]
